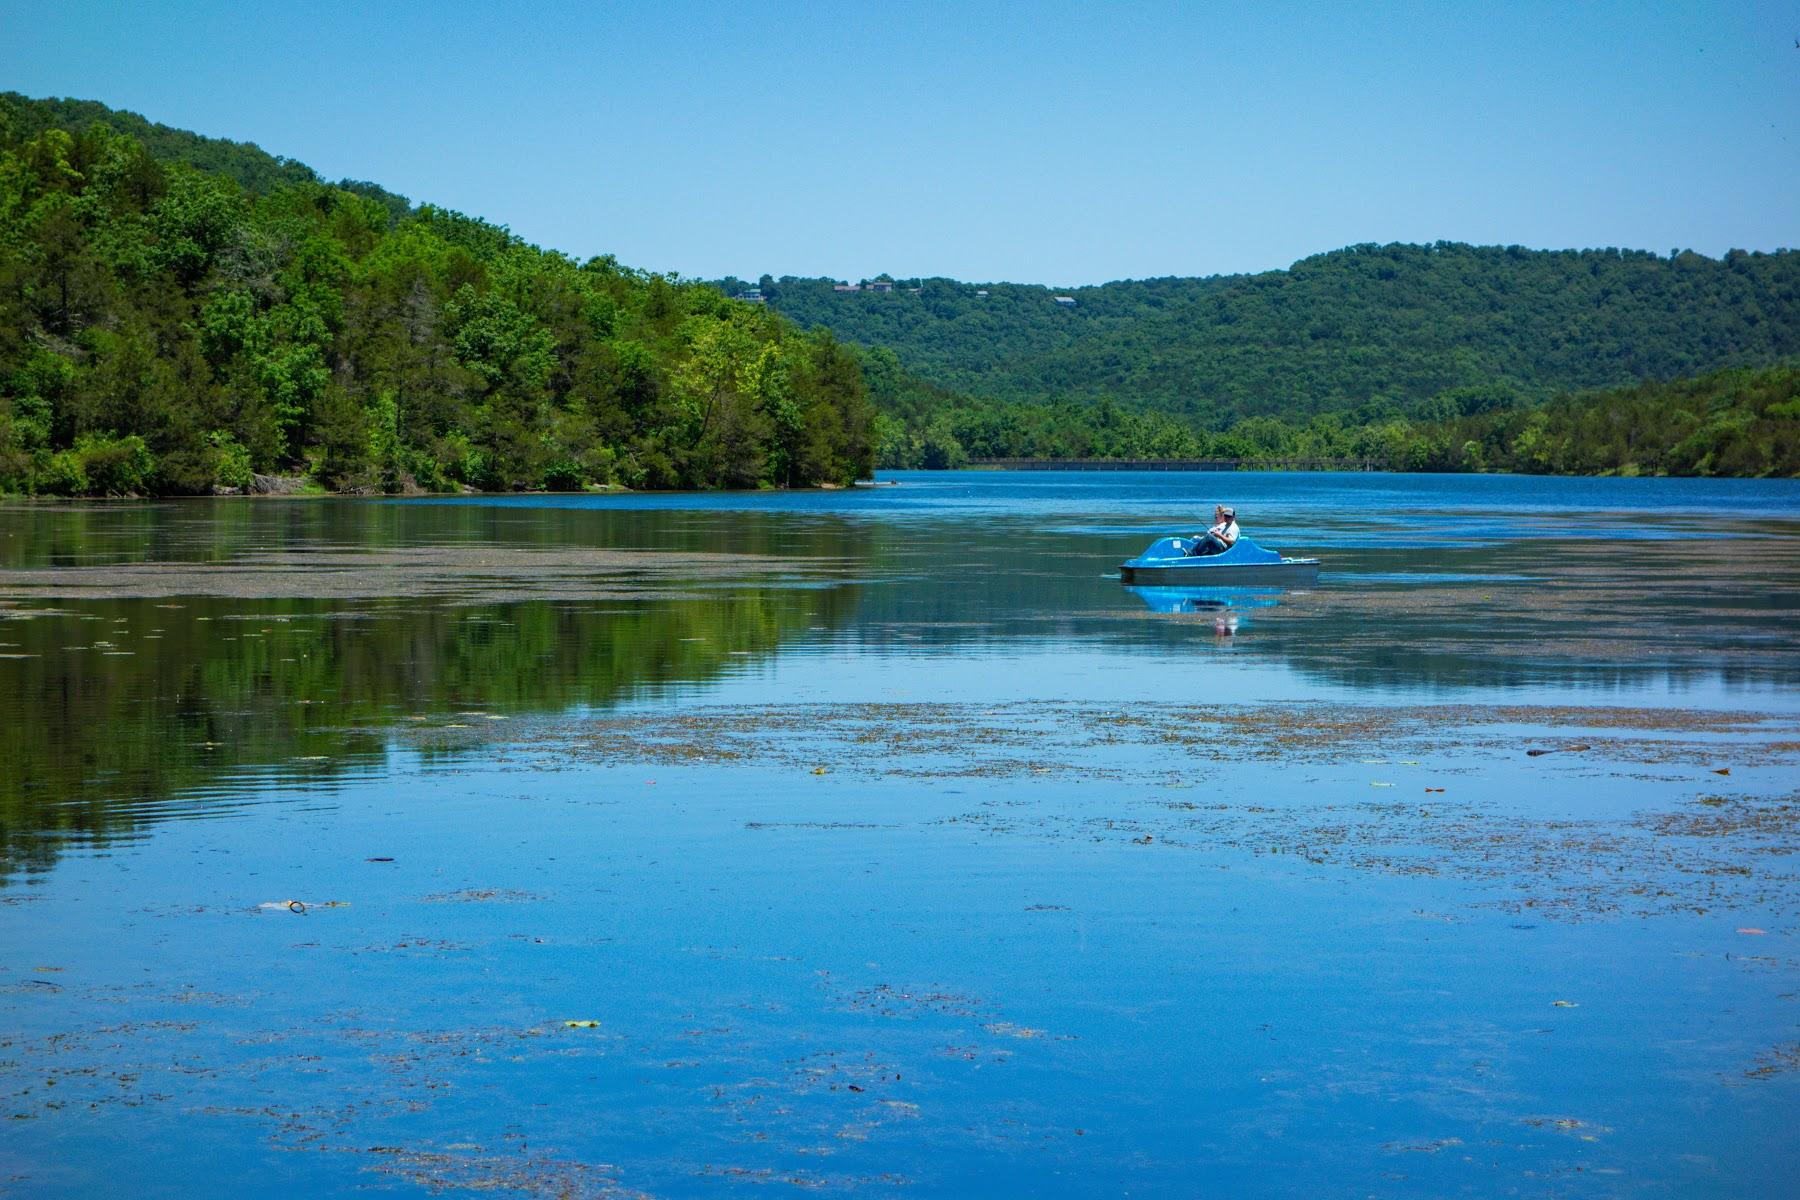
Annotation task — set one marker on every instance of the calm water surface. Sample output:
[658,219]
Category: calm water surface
[882,842]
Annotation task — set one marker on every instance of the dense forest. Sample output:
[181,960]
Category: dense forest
[1445,357]
[1738,421]
[1397,324]
[181,314]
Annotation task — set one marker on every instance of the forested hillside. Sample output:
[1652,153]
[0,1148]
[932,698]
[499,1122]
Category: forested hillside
[1396,325]
[1736,422]
[179,314]
[1740,421]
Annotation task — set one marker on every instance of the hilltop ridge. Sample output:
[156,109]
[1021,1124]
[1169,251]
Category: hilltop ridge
[254,169]
[1398,324]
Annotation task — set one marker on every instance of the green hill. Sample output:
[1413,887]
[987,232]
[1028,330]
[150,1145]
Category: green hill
[179,314]
[1743,421]
[253,168]
[1385,325]
[1738,421]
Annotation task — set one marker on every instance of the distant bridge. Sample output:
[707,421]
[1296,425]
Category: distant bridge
[1180,464]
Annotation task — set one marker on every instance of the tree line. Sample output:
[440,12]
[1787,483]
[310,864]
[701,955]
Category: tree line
[1369,324]
[1441,357]
[1741,421]
[182,314]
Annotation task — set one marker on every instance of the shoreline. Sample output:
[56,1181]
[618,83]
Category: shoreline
[1048,466]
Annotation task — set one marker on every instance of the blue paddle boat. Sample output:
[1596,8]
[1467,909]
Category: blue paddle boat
[1171,562]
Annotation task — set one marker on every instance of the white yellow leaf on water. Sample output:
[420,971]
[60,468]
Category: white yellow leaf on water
[1008,1029]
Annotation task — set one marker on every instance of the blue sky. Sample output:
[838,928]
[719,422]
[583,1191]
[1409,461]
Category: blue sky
[1056,143]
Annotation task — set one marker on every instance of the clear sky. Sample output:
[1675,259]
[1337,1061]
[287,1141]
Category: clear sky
[1060,143]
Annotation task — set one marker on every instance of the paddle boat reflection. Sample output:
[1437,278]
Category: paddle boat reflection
[1228,605]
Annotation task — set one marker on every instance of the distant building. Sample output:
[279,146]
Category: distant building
[1068,300]
[846,287]
[982,293]
[882,285]
[916,291]
[751,295]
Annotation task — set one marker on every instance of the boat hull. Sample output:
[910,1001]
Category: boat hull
[1170,562]
[1195,573]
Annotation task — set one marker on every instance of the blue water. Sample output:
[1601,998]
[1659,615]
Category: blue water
[927,860]
[1185,494]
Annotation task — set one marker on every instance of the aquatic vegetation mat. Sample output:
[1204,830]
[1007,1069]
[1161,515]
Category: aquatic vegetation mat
[1627,810]
[470,573]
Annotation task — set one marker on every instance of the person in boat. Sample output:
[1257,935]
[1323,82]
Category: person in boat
[1224,532]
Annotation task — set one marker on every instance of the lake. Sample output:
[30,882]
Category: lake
[881,841]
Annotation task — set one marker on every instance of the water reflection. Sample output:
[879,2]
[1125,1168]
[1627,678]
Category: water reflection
[1208,600]
[114,707]
[156,651]
[1227,607]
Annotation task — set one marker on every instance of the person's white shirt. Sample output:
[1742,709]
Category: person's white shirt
[1226,531]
